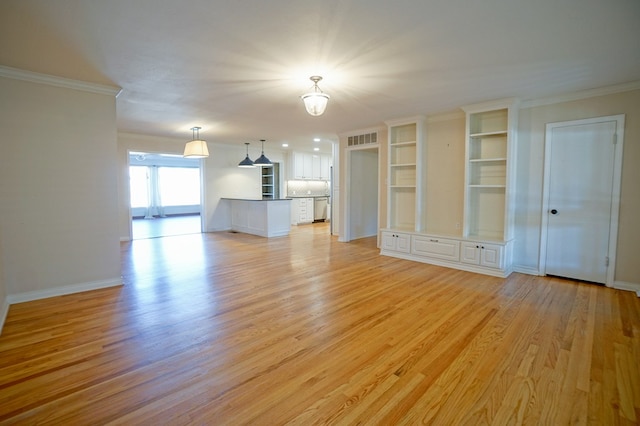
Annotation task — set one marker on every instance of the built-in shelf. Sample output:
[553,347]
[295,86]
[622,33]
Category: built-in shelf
[489,160]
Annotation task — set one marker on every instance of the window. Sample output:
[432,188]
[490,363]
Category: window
[139,186]
[167,186]
[179,186]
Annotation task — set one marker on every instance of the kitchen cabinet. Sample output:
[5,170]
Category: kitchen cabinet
[325,167]
[310,166]
[301,210]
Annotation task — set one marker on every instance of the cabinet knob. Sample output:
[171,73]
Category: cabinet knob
[554,211]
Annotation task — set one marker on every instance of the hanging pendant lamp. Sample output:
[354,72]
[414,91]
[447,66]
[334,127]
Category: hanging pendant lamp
[315,102]
[263,161]
[196,148]
[246,163]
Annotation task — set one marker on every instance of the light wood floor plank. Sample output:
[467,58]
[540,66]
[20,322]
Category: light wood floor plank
[228,328]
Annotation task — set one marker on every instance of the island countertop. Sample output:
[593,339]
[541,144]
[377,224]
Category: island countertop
[255,199]
[256,216]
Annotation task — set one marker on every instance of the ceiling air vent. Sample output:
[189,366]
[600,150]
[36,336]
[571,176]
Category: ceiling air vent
[365,139]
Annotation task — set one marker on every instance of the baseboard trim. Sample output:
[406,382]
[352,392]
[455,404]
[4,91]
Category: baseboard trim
[622,285]
[525,270]
[4,311]
[61,291]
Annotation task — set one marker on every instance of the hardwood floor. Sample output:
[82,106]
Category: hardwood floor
[229,328]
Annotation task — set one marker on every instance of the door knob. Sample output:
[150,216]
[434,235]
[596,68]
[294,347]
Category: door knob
[554,211]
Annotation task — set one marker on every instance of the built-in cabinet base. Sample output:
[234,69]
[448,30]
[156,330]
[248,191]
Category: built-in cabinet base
[483,257]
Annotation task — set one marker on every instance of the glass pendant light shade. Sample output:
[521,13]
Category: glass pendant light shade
[263,161]
[315,102]
[196,148]
[246,163]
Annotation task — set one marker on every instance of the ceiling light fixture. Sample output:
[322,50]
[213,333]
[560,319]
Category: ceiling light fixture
[246,163]
[315,102]
[196,148]
[263,161]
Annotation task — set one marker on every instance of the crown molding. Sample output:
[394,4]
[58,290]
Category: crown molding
[52,80]
[583,94]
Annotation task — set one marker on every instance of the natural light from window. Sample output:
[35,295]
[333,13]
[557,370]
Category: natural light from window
[176,186]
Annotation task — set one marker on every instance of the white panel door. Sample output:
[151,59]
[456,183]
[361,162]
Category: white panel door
[581,165]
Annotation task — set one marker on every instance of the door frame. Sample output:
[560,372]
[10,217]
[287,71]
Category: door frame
[615,190]
[348,188]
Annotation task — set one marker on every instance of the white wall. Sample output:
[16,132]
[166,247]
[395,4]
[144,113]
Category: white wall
[530,168]
[58,199]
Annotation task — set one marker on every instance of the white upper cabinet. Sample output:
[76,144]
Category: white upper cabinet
[310,166]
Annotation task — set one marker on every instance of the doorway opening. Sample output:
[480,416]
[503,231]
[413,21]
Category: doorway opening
[165,195]
[363,193]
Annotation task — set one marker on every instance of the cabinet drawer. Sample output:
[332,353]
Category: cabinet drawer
[437,248]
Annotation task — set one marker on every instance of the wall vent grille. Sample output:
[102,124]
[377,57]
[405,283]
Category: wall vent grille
[367,138]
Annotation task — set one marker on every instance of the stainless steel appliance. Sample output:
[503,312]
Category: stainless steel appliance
[320,208]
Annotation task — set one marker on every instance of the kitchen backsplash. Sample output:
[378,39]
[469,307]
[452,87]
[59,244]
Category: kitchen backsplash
[314,188]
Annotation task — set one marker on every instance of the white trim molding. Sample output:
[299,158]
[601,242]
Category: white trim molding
[52,80]
[4,311]
[583,94]
[525,270]
[622,285]
[61,291]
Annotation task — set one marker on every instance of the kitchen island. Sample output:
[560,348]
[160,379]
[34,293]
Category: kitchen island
[263,217]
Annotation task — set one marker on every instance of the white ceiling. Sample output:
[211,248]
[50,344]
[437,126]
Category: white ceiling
[237,68]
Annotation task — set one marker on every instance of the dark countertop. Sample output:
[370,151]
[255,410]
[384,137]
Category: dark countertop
[256,199]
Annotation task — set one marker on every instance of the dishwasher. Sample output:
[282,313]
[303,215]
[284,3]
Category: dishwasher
[320,209]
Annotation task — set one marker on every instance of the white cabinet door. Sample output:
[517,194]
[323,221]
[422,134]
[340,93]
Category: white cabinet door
[325,167]
[403,243]
[316,171]
[388,241]
[307,166]
[489,255]
[470,253]
[303,167]
[298,166]
[396,241]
